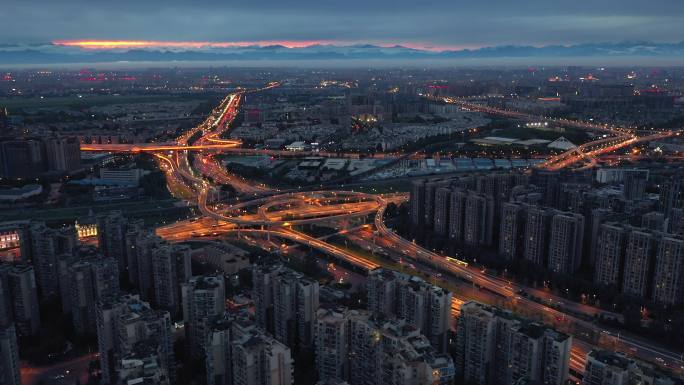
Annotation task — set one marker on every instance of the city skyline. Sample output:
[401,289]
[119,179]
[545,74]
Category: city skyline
[282,192]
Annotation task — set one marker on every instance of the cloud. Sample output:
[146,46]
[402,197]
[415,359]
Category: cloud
[456,23]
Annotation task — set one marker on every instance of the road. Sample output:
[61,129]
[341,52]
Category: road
[589,151]
[589,126]
[62,373]
[619,137]
[274,216]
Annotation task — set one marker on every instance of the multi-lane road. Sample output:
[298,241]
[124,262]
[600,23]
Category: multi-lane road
[275,215]
[615,137]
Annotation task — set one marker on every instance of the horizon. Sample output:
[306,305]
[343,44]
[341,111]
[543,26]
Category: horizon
[432,24]
[404,31]
[317,192]
[137,53]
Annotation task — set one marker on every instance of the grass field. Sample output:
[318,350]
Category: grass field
[91,100]
[153,210]
[380,186]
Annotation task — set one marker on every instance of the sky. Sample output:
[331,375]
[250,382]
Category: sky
[431,24]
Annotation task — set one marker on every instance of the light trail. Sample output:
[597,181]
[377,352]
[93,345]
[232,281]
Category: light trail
[277,219]
[620,136]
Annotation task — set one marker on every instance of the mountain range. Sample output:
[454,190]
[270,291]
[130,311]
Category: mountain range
[49,53]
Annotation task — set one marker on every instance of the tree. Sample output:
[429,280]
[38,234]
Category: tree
[154,185]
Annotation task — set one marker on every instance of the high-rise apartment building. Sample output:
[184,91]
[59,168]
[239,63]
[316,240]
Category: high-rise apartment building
[475,343]
[511,232]
[566,242]
[63,154]
[607,367]
[140,247]
[238,352]
[464,208]
[457,203]
[604,367]
[675,222]
[295,303]
[6,316]
[21,158]
[286,303]
[549,183]
[610,251]
[204,300]
[478,220]
[170,269]
[639,253]
[417,202]
[47,245]
[672,194]
[352,347]
[91,280]
[218,352]
[258,358]
[124,321]
[23,297]
[441,218]
[634,184]
[9,356]
[655,221]
[262,294]
[429,209]
[406,358]
[25,158]
[494,347]
[668,280]
[332,346]
[426,307]
[537,225]
[111,235]
[381,287]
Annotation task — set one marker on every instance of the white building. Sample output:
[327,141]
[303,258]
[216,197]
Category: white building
[127,177]
[561,144]
[297,146]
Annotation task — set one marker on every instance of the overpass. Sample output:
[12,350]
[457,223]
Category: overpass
[156,147]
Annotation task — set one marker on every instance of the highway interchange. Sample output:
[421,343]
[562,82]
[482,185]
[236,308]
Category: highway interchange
[271,213]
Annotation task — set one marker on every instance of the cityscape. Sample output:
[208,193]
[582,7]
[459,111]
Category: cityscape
[341,194]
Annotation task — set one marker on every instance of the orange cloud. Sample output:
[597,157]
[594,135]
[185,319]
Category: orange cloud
[127,44]
[112,44]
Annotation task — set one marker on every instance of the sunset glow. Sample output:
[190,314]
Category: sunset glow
[128,44]
[123,44]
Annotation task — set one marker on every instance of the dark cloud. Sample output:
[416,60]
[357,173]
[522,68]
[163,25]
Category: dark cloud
[445,22]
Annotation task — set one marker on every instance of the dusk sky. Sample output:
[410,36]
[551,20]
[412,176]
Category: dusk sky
[425,23]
